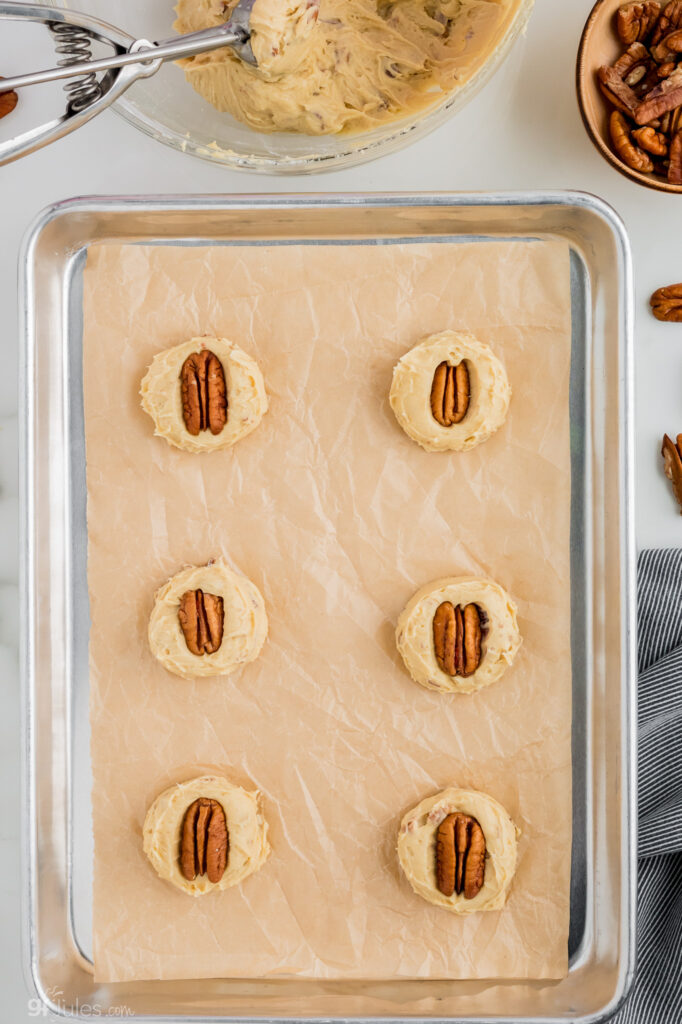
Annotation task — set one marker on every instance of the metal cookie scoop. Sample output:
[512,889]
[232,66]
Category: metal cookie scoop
[132,59]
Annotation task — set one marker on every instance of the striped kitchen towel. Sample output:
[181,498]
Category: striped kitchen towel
[657,992]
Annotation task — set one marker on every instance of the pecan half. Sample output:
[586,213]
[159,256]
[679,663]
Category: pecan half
[204,393]
[672,465]
[457,637]
[635,54]
[663,97]
[635,21]
[617,91]
[666,303]
[8,101]
[204,841]
[650,140]
[450,393]
[201,619]
[630,154]
[668,48]
[460,856]
[670,20]
[675,165]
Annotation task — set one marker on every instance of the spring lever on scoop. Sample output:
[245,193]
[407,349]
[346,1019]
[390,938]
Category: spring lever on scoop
[76,45]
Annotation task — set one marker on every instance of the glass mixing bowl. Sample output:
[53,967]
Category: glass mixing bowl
[168,109]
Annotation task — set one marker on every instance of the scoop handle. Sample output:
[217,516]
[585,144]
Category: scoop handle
[147,53]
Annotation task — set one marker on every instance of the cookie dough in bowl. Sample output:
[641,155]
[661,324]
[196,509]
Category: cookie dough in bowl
[207,621]
[204,394]
[206,834]
[458,634]
[458,851]
[450,392]
[332,66]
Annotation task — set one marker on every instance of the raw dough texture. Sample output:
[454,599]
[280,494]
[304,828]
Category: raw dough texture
[414,633]
[410,397]
[246,826]
[359,64]
[162,397]
[417,848]
[281,34]
[245,624]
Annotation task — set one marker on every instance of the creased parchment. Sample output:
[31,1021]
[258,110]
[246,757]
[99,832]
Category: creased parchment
[338,518]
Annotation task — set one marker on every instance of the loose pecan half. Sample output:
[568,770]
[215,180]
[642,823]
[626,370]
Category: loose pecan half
[457,637]
[204,393]
[669,21]
[650,140]
[617,91]
[450,393]
[635,61]
[204,841]
[675,165]
[668,48]
[663,97]
[201,620]
[460,856]
[8,101]
[666,303]
[630,154]
[672,465]
[666,70]
[635,21]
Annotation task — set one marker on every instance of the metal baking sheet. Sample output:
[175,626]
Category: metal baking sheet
[58,882]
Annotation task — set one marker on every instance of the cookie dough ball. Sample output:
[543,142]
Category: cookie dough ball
[458,851]
[206,834]
[450,392]
[204,395]
[458,634]
[207,621]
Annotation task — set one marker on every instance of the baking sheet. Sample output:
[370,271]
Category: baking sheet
[338,517]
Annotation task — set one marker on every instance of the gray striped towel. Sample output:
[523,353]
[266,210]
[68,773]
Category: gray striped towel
[657,992]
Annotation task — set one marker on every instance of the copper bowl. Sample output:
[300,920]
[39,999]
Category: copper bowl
[599,45]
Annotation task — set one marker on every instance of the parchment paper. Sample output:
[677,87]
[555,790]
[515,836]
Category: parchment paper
[338,517]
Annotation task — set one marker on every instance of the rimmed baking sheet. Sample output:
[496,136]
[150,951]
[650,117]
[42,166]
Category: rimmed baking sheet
[582,579]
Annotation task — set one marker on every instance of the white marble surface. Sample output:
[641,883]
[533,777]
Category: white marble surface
[523,131]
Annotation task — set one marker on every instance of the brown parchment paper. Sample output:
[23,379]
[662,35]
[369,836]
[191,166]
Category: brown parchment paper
[338,518]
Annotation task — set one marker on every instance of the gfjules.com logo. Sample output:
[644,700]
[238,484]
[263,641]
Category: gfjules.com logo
[37,1008]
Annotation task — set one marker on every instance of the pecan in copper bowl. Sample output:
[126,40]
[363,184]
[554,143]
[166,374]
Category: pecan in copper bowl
[629,84]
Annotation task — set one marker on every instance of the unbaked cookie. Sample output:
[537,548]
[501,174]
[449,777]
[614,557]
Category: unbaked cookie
[450,392]
[458,851]
[458,634]
[204,395]
[207,621]
[206,834]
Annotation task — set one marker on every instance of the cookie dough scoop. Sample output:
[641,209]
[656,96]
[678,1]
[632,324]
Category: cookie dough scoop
[88,94]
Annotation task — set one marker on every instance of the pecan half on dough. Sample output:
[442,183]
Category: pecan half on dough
[202,620]
[204,842]
[204,393]
[457,636]
[460,856]
[450,393]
